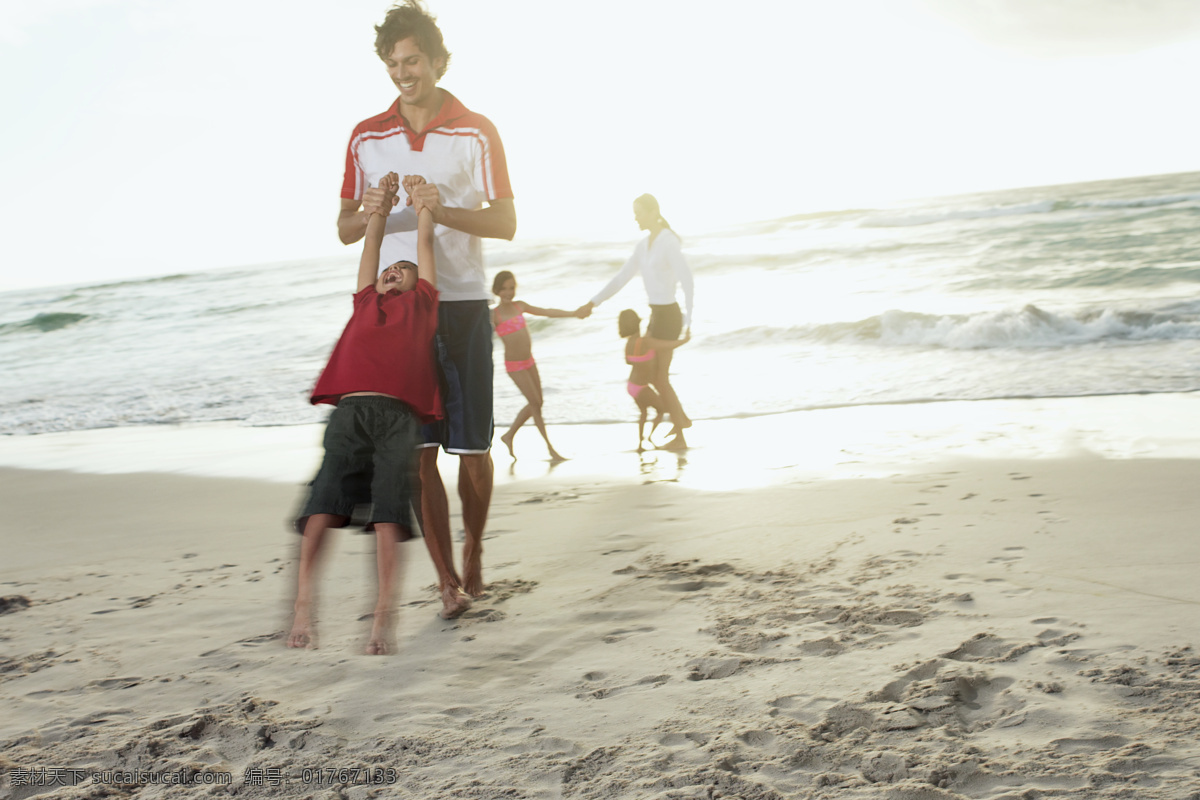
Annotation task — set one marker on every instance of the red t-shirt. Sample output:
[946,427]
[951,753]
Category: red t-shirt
[387,347]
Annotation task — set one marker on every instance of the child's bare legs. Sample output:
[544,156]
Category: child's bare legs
[435,524]
[303,633]
[475,491]
[530,384]
[387,537]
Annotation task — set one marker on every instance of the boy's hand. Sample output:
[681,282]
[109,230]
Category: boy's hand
[390,184]
[412,182]
[380,199]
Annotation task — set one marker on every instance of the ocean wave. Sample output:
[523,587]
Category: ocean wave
[933,216]
[44,322]
[1138,277]
[1028,328]
[1141,202]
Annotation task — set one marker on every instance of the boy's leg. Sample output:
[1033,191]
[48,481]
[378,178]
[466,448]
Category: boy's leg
[435,524]
[387,548]
[303,633]
[475,473]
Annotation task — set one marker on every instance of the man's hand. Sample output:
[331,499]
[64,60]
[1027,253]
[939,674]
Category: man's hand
[377,200]
[426,195]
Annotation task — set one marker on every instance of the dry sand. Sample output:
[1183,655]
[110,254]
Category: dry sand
[980,628]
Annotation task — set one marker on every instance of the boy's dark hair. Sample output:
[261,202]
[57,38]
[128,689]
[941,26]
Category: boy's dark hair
[410,19]
[628,323]
[502,276]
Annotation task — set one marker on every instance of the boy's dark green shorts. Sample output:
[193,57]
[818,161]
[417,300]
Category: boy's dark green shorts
[369,472]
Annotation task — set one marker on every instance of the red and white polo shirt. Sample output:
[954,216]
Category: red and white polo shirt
[460,151]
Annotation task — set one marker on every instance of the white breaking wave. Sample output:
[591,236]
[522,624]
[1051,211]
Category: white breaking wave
[1031,327]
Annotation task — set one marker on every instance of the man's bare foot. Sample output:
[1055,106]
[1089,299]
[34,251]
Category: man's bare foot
[454,603]
[508,440]
[381,641]
[473,582]
[303,635]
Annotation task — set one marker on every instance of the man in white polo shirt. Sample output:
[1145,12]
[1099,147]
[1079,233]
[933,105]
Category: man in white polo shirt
[428,132]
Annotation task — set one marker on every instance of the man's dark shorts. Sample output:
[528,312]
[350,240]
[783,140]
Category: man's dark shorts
[369,470]
[464,353]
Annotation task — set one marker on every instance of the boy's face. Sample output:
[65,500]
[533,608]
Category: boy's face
[414,74]
[399,277]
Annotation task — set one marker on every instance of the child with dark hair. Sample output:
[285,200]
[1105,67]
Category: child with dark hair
[509,319]
[641,354]
[383,384]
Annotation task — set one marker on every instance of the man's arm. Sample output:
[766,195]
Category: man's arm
[352,220]
[497,220]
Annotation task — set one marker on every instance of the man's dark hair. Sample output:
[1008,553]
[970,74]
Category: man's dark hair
[410,19]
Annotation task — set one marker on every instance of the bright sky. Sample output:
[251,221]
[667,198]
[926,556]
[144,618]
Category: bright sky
[146,137]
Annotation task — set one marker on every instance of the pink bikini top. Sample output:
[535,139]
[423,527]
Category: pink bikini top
[510,325]
[639,359]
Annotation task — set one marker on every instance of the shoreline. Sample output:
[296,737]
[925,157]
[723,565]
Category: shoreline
[841,442]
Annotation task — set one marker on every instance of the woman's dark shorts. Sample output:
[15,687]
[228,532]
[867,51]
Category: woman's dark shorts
[369,470]
[666,322]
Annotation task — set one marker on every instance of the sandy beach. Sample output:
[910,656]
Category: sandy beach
[974,600]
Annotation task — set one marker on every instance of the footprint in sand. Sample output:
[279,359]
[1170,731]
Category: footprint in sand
[707,669]
[652,681]
[624,633]
[756,738]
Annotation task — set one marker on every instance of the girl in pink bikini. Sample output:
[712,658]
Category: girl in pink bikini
[641,354]
[509,318]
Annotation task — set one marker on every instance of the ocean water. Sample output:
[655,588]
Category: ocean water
[1084,289]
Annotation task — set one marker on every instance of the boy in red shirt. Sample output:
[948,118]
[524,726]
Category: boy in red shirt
[383,383]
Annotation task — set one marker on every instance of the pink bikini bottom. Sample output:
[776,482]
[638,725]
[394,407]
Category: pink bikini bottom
[518,366]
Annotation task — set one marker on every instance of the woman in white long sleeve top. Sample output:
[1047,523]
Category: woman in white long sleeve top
[659,259]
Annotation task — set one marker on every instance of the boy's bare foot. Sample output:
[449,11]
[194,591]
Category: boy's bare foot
[454,603]
[303,635]
[508,440]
